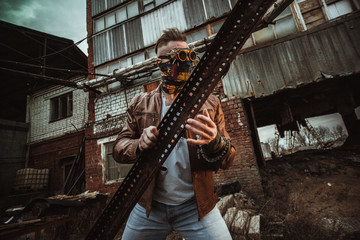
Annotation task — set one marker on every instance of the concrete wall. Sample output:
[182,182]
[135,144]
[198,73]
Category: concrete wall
[13,137]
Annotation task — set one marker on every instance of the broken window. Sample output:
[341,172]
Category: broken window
[110,19]
[118,16]
[61,107]
[150,4]
[338,8]
[99,24]
[114,170]
[314,133]
[283,25]
[125,12]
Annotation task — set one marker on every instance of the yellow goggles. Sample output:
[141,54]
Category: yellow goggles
[182,54]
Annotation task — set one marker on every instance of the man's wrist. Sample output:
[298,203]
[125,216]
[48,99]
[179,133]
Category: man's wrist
[216,150]
[214,146]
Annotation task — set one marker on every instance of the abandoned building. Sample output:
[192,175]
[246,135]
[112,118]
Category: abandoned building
[303,60]
[42,118]
[305,63]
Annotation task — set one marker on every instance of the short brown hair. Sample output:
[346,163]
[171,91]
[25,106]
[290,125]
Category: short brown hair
[170,34]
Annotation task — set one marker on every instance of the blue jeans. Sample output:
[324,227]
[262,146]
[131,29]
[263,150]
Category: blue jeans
[182,218]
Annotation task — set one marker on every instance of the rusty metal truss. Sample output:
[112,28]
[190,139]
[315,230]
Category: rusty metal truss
[213,66]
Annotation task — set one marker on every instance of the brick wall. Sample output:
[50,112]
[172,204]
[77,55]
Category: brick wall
[108,118]
[94,169]
[113,104]
[39,113]
[48,154]
[244,169]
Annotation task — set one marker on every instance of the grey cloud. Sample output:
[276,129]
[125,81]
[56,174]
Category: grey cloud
[65,18]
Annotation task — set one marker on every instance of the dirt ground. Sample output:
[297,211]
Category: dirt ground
[313,194]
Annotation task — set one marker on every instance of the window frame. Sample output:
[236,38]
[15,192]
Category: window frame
[105,143]
[142,7]
[69,108]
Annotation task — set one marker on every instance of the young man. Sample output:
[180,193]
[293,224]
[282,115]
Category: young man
[182,196]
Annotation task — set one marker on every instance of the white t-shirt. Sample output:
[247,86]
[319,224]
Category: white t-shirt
[174,185]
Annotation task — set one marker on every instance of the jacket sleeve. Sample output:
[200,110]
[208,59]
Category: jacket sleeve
[217,148]
[126,144]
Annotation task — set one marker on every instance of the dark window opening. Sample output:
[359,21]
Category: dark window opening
[114,170]
[61,107]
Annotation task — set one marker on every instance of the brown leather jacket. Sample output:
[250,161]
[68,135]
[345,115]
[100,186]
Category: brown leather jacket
[145,111]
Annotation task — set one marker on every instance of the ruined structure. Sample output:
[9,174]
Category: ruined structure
[43,113]
[306,45]
[302,61]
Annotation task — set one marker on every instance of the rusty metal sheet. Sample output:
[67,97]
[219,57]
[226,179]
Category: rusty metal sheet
[327,51]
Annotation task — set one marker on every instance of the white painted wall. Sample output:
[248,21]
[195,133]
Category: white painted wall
[38,114]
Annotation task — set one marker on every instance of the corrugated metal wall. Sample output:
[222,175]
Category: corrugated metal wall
[334,51]
[196,13]
[99,6]
[134,35]
[144,31]
[118,41]
[155,22]
[216,8]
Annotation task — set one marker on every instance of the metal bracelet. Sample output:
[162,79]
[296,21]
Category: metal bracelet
[219,157]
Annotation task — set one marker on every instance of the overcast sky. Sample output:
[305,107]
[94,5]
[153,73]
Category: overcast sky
[62,18]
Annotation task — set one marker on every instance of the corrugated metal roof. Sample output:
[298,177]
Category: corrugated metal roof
[328,51]
[169,16]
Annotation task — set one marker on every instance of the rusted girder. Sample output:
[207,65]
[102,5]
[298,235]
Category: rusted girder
[213,66]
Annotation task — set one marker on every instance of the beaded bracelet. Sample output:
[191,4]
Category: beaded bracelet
[218,157]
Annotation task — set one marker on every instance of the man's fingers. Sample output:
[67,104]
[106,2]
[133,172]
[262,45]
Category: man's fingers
[154,131]
[206,119]
[148,138]
[196,126]
[203,126]
[198,131]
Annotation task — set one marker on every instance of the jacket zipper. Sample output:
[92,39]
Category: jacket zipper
[145,113]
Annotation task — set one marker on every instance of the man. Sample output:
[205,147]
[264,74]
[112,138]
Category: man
[182,196]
